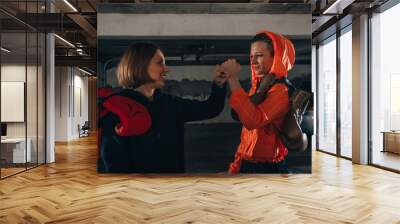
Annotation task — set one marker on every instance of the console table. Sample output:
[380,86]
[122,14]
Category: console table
[391,141]
[13,150]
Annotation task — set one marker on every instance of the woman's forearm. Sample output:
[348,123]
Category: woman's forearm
[234,83]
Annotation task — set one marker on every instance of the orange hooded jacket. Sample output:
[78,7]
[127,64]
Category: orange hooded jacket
[259,141]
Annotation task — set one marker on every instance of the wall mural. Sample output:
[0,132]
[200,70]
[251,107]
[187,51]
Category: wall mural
[174,134]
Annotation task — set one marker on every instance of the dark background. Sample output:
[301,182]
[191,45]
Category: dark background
[210,145]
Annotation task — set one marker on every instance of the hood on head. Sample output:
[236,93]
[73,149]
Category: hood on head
[284,56]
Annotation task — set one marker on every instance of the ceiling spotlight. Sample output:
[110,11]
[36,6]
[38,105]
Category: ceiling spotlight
[84,71]
[65,41]
[70,5]
[5,50]
[337,7]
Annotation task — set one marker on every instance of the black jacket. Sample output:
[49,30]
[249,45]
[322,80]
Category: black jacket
[160,150]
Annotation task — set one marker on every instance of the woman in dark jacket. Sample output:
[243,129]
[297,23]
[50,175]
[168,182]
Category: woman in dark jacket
[142,129]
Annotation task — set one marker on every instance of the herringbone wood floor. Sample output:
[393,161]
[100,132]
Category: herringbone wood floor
[70,191]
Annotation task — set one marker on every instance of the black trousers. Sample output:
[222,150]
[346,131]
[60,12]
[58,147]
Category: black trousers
[252,167]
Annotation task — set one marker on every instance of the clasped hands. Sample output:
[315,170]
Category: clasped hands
[228,70]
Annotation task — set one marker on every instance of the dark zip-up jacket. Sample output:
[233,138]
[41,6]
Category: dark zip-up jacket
[161,148]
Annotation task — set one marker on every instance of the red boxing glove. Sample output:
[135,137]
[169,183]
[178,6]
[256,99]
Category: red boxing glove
[102,93]
[134,118]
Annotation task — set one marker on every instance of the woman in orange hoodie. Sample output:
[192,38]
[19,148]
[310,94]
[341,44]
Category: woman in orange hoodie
[260,149]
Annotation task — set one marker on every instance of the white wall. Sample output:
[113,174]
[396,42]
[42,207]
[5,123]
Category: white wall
[81,84]
[61,103]
[12,73]
[70,83]
[200,24]
[33,126]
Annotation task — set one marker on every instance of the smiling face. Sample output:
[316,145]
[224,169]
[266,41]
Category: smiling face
[261,58]
[157,70]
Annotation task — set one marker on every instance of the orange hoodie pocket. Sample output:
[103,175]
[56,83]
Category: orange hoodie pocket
[265,147]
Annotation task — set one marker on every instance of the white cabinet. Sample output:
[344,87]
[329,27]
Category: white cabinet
[16,147]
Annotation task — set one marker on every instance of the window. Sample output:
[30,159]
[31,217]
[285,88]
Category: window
[346,93]
[327,96]
[385,88]
[22,66]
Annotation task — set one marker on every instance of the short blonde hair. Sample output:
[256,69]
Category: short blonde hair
[132,68]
